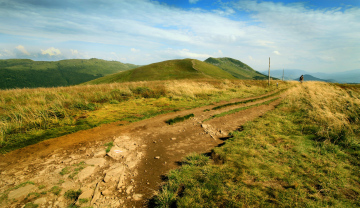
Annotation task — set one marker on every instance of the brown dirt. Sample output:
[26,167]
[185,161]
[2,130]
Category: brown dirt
[131,172]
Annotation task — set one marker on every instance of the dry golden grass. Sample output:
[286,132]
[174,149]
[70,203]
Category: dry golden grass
[23,111]
[304,153]
[329,105]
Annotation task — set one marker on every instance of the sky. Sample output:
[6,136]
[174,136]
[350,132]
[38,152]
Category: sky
[316,36]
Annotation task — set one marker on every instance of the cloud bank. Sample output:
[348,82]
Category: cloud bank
[294,35]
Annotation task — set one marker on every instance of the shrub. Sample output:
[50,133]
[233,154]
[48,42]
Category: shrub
[73,194]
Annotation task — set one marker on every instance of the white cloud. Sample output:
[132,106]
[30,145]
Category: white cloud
[193,1]
[276,52]
[295,29]
[51,51]
[22,49]
[74,52]
[185,53]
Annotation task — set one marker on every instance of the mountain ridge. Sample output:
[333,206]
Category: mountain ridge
[236,68]
[26,73]
[167,70]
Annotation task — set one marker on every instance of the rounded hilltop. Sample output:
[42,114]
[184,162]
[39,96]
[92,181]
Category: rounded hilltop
[167,70]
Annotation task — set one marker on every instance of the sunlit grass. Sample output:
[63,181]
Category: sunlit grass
[28,116]
[305,153]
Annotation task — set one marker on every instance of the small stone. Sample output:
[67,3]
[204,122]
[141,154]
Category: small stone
[100,153]
[137,197]
[106,192]
[40,201]
[129,189]
[157,157]
[173,138]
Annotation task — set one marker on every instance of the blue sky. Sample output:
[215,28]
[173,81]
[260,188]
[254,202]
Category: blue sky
[317,36]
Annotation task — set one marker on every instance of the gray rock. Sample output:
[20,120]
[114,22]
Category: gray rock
[106,192]
[100,153]
[21,192]
[129,189]
[137,197]
[88,194]
[96,194]
[40,200]
[117,153]
[120,140]
[96,161]
[86,172]
[114,174]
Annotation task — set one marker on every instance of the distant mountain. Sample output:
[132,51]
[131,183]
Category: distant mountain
[308,77]
[289,74]
[167,70]
[26,73]
[236,68]
[352,76]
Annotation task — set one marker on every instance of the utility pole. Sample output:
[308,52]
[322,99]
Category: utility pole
[269,72]
[283,75]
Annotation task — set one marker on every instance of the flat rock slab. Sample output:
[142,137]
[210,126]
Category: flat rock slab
[100,153]
[117,153]
[96,161]
[88,194]
[21,192]
[114,174]
[40,201]
[120,140]
[86,172]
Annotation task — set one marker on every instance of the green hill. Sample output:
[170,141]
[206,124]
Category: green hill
[236,68]
[167,70]
[26,73]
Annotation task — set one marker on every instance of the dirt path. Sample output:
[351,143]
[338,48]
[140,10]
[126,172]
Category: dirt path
[130,173]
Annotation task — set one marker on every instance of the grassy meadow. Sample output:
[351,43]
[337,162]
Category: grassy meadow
[28,116]
[305,153]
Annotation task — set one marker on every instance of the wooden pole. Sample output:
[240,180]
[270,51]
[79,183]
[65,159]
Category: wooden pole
[269,72]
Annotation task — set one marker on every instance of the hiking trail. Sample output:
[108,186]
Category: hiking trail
[131,172]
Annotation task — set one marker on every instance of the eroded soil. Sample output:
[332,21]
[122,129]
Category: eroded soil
[130,173]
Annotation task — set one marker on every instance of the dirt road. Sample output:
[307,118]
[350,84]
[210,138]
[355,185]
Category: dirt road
[130,173]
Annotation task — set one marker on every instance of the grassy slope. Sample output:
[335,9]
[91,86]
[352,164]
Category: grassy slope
[305,153]
[22,73]
[236,68]
[167,70]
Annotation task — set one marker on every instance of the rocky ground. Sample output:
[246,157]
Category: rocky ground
[115,165]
